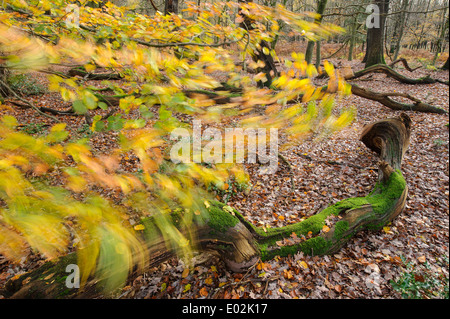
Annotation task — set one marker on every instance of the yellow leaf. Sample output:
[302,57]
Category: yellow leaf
[329,68]
[303,264]
[228,209]
[139,227]
[89,67]
[325,229]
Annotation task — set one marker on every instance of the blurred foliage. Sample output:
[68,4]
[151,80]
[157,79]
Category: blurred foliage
[39,216]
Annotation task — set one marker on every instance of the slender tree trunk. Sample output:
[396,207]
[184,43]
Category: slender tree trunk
[317,54]
[444,27]
[321,5]
[401,29]
[423,24]
[259,54]
[352,38]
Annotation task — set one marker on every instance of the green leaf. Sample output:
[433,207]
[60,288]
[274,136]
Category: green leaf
[164,114]
[115,123]
[145,112]
[79,107]
[90,100]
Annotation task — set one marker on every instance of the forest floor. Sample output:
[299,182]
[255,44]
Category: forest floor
[324,172]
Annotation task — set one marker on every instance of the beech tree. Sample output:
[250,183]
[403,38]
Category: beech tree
[74,219]
[321,5]
[375,35]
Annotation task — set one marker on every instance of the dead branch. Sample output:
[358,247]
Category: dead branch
[405,64]
[386,100]
[381,68]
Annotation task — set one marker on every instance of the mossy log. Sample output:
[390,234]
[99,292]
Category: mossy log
[240,244]
[80,71]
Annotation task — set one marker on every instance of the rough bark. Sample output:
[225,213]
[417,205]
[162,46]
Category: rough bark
[240,244]
[375,37]
[171,6]
[445,66]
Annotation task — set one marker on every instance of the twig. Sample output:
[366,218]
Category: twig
[29,103]
[290,170]
[240,282]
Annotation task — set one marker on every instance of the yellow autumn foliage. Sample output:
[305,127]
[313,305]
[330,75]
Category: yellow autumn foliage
[36,215]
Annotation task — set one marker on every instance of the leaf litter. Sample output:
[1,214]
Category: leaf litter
[324,173]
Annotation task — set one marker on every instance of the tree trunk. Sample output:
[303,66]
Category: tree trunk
[441,39]
[375,37]
[224,231]
[445,66]
[321,5]
[5,90]
[402,23]
[317,64]
[269,68]
[352,38]
[171,6]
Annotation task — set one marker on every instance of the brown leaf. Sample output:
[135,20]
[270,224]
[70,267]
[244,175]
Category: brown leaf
[203,292]
[185,273]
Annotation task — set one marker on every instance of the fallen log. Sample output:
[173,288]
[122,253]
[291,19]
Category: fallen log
[382,68]
[386,100]
[80,71]
[225,231]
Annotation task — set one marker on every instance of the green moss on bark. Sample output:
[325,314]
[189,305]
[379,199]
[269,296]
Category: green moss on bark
[219,218]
